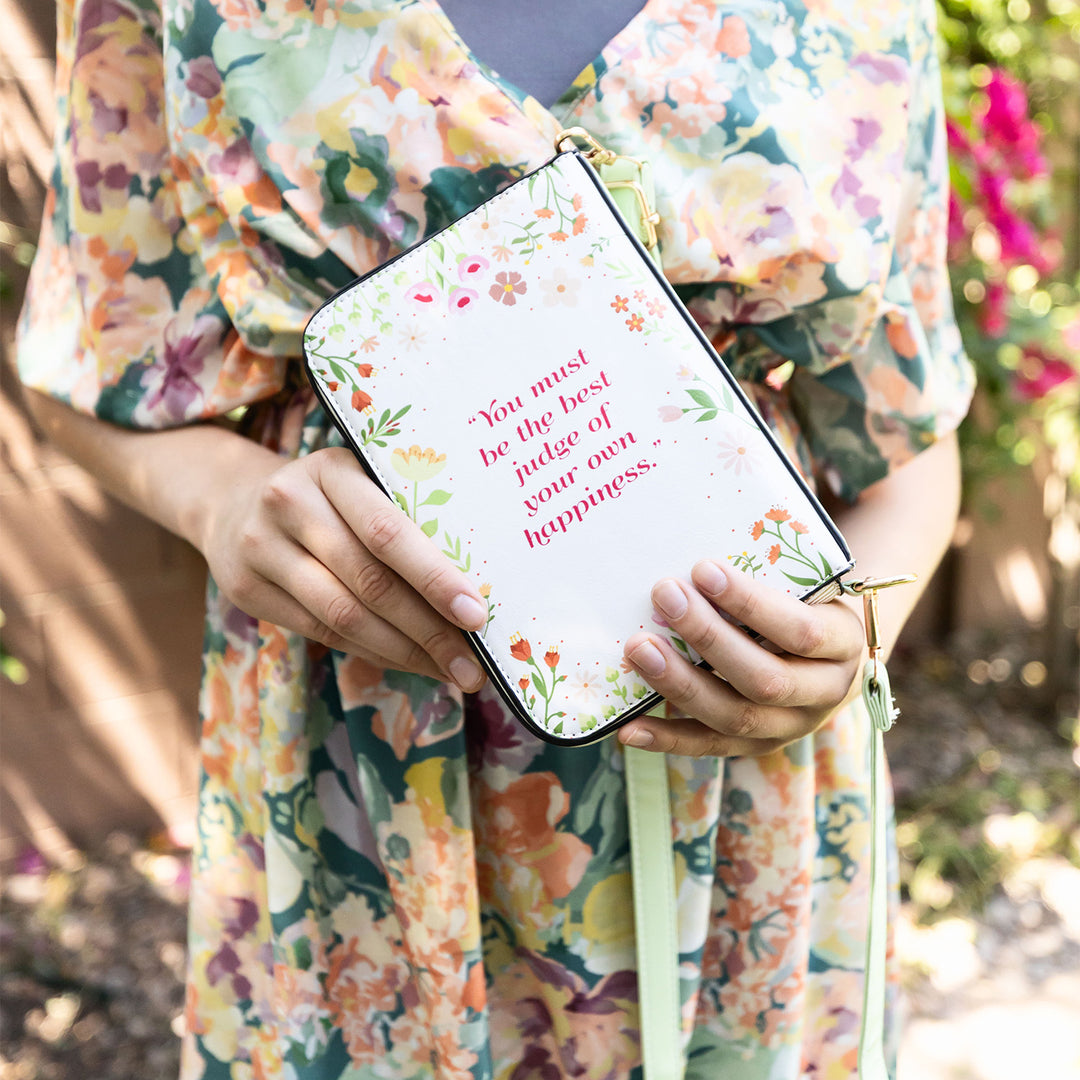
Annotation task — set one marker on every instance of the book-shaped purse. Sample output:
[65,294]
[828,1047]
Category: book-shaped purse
[528,388]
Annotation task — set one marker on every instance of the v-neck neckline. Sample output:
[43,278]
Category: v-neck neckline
[584,82]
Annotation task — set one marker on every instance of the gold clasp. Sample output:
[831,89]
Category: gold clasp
[649,217]
[594,151]
[868,589]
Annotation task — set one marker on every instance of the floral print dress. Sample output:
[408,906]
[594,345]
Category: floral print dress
[391,882]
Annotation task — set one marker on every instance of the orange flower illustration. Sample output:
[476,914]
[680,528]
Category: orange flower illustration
[757,530]
[579,224]
[635,322]
[774,553]
[545,213]
[551,657]
[777,514]
[559,236]
[523,682]
[360,400]
[799,527]
[485,589]
[520,649]
[620,303]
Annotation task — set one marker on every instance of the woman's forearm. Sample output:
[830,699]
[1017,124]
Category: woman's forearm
[170,476]
[902,524]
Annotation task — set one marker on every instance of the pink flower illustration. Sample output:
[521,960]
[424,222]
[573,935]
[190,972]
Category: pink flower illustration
[736,456]
[471,267]
[423,294]
[507,288]
[463,299]
[668,413]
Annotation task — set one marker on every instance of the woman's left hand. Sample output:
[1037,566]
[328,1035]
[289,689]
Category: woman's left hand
[757,700]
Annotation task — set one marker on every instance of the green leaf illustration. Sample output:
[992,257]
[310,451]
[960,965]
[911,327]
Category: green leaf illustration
[436,498]
[429,527]
[801,580]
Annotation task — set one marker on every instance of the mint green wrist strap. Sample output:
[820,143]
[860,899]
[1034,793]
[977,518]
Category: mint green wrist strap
[877,694]
[656,925]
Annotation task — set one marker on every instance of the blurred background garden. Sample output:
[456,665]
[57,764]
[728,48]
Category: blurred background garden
[101,622]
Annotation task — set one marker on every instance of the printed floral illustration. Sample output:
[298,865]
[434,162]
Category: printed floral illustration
[735,454]
[709,402]
[557,220]
[508,287]
[342,368]
[417,465]
[642,305]
[785,548]
[560,289]
[521,650]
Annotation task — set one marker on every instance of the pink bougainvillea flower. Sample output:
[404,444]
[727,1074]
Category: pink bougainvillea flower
[1041,372]
[472,266]
[1006,122]
[463,299]
[508,286]
[423,294]
[992,316]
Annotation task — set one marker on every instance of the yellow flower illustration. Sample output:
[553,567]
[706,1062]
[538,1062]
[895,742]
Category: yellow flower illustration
[417,464]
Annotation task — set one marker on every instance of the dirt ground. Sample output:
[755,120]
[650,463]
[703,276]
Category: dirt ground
[92,955]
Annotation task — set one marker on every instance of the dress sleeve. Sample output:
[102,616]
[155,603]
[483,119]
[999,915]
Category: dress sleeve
[122,320]
[912,383]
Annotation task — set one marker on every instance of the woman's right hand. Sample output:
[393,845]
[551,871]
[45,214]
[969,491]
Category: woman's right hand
[314,545]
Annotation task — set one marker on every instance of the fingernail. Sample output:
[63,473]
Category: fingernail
[466,673]
[468,611]
[649,658]
[709,577]
[670,599]
[639,737]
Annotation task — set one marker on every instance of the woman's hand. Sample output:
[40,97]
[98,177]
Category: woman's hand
[758,699]
[315,546]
